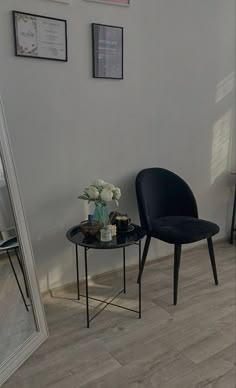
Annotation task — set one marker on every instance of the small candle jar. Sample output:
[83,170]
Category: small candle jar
[106,234]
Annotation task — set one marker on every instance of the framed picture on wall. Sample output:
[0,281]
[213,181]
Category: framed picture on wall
[39,36]
[108,51]
[114,2]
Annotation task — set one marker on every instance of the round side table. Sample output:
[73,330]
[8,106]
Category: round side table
[121,241]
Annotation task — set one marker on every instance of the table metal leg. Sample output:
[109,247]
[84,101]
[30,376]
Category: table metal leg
[77,270]
[124,270]
[86,284]
[233,220]
[17,281]
[140,281]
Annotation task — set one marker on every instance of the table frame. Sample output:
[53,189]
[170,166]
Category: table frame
[79,295]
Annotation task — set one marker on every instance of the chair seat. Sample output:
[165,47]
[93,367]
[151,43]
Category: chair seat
[11,243]
[183,230]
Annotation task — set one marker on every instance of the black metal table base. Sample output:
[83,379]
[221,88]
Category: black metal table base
[110,303]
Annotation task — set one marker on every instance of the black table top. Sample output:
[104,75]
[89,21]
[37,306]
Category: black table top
[121,240]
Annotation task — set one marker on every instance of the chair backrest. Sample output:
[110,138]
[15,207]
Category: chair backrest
[161,193]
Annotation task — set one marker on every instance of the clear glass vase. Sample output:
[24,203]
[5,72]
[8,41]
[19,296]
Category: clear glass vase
[101,214]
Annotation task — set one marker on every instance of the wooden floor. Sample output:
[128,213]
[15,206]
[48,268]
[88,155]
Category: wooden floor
[191,345]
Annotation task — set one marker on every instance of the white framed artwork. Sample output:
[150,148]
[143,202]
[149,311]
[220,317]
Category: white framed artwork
[41,37]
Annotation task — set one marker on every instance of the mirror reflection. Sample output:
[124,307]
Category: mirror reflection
[17,321]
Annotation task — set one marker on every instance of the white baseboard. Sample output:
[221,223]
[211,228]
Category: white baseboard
[151,261]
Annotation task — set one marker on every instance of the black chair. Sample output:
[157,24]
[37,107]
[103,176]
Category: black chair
[168,212]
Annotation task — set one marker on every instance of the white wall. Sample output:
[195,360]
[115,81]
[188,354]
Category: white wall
[67,128]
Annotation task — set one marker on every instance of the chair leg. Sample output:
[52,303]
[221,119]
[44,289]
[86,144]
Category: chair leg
[17,281]
[23,272]
[145,252]
[177,257]
[212,257]
[233,220]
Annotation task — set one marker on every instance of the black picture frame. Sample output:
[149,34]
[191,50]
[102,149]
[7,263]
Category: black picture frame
[18,54]
[99,68]
[109,2]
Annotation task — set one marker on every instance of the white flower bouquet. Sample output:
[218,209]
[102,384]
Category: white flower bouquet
[101,192]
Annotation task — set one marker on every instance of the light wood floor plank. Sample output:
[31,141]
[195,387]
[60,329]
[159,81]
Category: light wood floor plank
[191,345]
[226,381]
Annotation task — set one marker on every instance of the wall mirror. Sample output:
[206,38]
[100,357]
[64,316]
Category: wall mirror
[22,320]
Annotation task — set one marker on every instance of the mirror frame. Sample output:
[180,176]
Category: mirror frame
[20,355]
